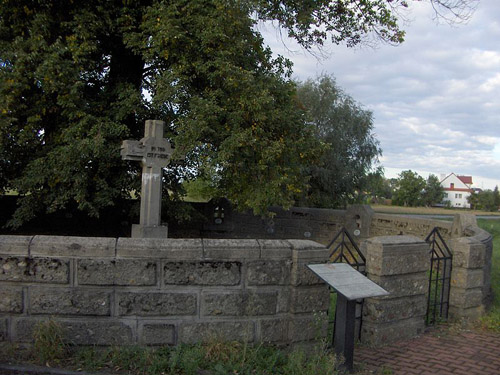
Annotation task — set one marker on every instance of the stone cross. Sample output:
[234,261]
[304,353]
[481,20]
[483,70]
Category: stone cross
[154,152]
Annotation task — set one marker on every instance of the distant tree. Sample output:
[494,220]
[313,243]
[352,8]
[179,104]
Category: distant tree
[473,200]
[409,189]
[496,197]
[433,192]
[377,186]
[346,129]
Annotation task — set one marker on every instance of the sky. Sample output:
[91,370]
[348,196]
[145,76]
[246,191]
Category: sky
[435,98]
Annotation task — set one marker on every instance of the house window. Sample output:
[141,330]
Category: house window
[446,195]
[456,195]
[460,196]
[452,185]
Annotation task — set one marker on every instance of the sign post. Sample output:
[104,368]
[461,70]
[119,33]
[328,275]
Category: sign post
[350,286]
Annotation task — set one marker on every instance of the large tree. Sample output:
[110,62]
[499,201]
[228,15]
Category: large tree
[77,77]
[345,128]
[409,189]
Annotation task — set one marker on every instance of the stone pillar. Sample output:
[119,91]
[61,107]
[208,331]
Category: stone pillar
[309,296]
[467,278]
[399,264]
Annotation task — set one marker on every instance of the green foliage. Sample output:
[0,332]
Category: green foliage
[492,320]
[377,186]
[433,192]
[351,148]
[49,344]
[78,77]
[409,189]
[215,357]
[486,200]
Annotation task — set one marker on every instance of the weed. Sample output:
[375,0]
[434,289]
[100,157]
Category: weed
[49,344]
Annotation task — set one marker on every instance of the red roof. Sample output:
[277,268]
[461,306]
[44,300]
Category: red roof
[465,179]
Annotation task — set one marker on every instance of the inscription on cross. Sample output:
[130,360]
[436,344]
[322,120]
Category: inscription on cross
[154,152]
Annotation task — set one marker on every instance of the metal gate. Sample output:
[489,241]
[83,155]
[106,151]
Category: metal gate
[345,250]
[438,299]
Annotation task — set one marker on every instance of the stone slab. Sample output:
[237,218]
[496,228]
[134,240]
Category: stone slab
[156,333]
[312,299]
[347,281]
[39,270]
[81,332]
[403,285]
[116,272]
[229,249]
[466,298]
[68,246]
[308,327]
[63,301]
[467,253]
[377,334]
[156,304]
[169,248]
[382,311]
[4,330]
[195,332]
[239,303]
[269,272]
[11,300]
[275,249]
[202,273]
[274,330]
[467,278]
[16,245]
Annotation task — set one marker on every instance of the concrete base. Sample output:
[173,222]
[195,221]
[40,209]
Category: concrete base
[141,231]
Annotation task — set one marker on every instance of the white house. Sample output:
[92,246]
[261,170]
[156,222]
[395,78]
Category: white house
[456,190]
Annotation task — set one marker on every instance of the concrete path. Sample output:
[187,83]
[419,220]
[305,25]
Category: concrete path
[437,353]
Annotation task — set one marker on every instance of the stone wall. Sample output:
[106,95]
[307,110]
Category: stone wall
[106,291]
[395,225]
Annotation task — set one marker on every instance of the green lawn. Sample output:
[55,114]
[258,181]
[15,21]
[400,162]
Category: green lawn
[492,319]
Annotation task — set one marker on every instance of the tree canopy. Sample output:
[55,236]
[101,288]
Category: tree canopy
[345,128]
[77,77]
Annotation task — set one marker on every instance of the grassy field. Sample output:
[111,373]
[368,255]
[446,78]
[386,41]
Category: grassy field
[428,210]
[492,320]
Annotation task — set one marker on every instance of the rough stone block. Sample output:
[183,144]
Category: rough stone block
[4,329]
[11,300]
[284,296]
[16,245]
[388,310]
[202,273]
[158,334]
[269,272]
[466,298]
[403,285]
[116,272]
[274,330]
[471,313]
[239,304]
[275,249]
[309,327]
[73,246]
[243,331]
[229,249]
[382,334]
[39,270]
[302,275]
[310,299]
[156,304]
[307,250]
[467,278]
[62,301]
[76,332]
[167,248]
[467,253]
[395,255]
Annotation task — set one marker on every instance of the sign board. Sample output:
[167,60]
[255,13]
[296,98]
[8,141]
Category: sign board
[347,281]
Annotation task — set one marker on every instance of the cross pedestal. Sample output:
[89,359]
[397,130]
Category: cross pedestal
[154,152]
